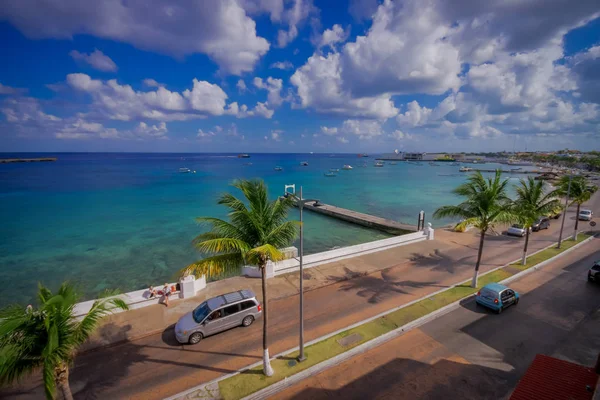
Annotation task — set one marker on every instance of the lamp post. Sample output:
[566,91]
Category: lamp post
[562,225]
[301,201]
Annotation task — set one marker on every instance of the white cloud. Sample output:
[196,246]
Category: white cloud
[284,65]
[241,86]
[112,100]
[273,87]
[329,131]
[343,140]
[333,36]
[11,90]
[97,60]
[26,111]
[363,9]
[399,135]
[294,17]
[276,135]
[202,134]
[222,29]
[262,110]
[151,83]
[364,129]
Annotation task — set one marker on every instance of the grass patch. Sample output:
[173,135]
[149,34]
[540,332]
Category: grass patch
[252,380]
[549,253]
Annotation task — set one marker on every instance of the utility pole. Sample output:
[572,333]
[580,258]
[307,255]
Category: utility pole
[562,225]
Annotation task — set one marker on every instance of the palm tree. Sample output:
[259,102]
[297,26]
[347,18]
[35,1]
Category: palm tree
[580,191]
[485,205]
[533,201]
[258,228]
[48,337]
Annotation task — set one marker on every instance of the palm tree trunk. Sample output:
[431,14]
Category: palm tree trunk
[524,260]
[267,369]
[62,381]
[576,222]
[481,239]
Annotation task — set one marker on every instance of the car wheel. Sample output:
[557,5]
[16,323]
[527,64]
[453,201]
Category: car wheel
[195,338]
[248,320]
[516,302]
[499,311]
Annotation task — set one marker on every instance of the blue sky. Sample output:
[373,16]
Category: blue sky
[299,75]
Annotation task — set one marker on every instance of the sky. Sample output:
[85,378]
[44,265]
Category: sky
[299,75]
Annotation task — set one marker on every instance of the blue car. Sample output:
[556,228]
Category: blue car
[497,297]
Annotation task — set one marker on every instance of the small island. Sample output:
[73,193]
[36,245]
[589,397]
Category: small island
[21,160]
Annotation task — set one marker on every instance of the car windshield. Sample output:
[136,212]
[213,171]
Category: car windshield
[596,267]
[201,312]
[585,212]
[517,226]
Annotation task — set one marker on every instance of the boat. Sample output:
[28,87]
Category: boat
[347,166]
[248,163]
[363,155]
[304,164]
[330,174]
[243,156]
[184,170]
[334,169]
[516,169]
[465,169]
[278,168]
[378,164]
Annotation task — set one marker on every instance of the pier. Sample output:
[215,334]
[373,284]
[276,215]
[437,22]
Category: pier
[369,221]
[22,160]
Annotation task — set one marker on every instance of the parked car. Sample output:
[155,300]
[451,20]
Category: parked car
[594,272]
[556,213]
[516,230]
[218,314]
[496,297]
[541,223]
[585,215]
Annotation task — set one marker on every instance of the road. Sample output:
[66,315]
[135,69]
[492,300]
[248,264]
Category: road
[473,353]
[157,366]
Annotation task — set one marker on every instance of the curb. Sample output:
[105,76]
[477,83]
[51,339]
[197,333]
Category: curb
[291,380]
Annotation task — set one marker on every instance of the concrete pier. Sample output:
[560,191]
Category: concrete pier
[370,221]
[21,160]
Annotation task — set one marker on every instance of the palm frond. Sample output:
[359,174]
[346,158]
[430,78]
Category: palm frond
[264,253]
[48,377]
[222,245]
[214,266]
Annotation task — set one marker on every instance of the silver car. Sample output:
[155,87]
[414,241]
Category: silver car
[516,230]
[218,314]
[585,215]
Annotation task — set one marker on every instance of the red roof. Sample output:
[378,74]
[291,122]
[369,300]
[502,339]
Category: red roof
[549,378]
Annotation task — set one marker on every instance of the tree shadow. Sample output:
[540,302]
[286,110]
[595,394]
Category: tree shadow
[440,261]
[376,289]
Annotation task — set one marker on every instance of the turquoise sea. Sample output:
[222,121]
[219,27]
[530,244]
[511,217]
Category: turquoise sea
[118,220]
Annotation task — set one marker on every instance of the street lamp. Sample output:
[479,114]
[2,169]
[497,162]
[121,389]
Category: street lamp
[301,201]
[562,225]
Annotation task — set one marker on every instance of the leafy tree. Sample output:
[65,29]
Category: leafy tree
[579,192]
[258,228]
[533,201]
[486,204]
[48,337]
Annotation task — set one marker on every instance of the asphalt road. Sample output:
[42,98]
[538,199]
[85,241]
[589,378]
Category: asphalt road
[157,366]
[473,353]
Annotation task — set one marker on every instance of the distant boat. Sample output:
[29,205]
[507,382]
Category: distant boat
[334,169]
[378,164]
[363,155]
[304,164]
[243,156]
[184,170]
[516,169]
[278,168]
[311,152]
[465,169]
[248,163]
[347,166]
[330,174]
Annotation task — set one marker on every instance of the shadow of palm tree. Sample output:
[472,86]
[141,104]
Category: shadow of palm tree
[440,261]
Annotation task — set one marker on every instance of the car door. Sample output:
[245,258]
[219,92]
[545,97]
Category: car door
[232,316]
[214,323]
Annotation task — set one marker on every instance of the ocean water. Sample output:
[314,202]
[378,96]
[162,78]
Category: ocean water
[119,220]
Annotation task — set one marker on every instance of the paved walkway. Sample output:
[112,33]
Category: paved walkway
[471,353]
[339,294]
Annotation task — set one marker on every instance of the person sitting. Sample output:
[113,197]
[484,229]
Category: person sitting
[151,292]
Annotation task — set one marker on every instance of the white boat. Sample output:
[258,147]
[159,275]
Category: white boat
[378,164]
[184,170]
[465,169]
[334,169]
[278,168]
[347,166]
[304,164]
[330,174]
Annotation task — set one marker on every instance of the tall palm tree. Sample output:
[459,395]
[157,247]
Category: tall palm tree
[485,205]
[48,337]
[578,193]
[533,201]
[258,228]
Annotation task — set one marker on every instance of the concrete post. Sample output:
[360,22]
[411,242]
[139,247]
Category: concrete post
[188,287]
[429,231]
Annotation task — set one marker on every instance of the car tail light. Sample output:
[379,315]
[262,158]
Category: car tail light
[495,301]
[479,293]
[259,307]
